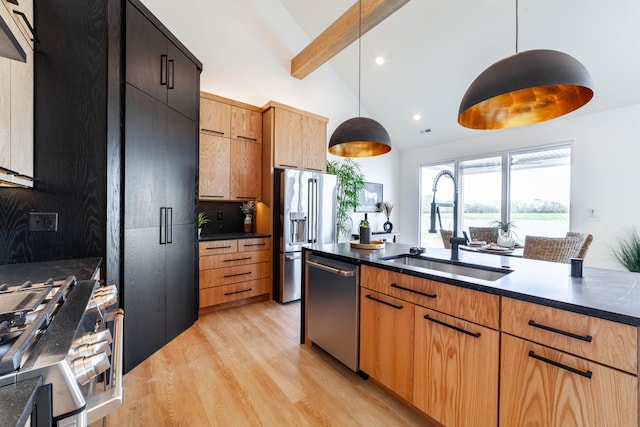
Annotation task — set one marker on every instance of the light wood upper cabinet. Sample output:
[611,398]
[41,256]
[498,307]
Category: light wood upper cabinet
[245,170]
[298,140]
[16,132]
[246,125]
[288,139]
[314,151]
[230,150]
[215,117]
[215,165]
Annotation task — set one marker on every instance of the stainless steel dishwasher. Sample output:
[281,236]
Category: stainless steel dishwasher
[333,308]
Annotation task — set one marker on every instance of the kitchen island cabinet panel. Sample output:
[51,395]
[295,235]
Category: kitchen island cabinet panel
[603,341]
[538,392]
[474,306]
[386,341]
[456,370]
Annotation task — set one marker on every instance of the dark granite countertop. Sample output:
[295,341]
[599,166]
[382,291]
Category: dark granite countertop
[229,236]
[608,294]
[82,268]
[16,401]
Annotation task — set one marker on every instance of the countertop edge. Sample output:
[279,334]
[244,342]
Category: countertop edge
[595,307]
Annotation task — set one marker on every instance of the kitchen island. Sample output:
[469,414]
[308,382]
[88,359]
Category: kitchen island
[532,344]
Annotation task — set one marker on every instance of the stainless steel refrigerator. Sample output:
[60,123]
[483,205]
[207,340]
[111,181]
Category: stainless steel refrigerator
[304,214]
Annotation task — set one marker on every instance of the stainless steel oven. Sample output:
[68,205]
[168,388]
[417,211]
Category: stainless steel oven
[68,334]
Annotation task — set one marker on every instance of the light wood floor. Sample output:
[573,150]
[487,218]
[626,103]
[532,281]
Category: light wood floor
[245,367]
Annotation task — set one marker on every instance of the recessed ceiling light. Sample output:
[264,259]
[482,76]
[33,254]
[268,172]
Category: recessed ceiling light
[379,60]
[416,117]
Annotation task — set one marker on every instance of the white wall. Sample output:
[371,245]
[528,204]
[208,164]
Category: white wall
[604,173]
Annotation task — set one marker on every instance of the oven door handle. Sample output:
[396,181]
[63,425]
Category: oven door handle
[102,404]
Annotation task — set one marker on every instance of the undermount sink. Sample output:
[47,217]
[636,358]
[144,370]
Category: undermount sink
[453,267]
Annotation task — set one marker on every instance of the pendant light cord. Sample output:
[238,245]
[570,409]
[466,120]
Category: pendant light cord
[516,26]
[359,53]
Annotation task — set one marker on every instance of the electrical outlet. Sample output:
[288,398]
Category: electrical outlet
[43,221]
[219,215]
[593,214]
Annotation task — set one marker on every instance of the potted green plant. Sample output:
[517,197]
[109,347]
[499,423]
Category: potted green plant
[202,220]
[505,231]
[628,252]
[350,180]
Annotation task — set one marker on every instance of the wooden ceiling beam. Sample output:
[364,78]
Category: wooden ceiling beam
[341,33]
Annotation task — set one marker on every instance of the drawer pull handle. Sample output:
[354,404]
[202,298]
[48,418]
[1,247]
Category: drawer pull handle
[455,328]
[218,247]
[393,285]
[398,307]
[247,138]
[238,292]
[587,338]
[238,274]
[586,374]
[237,259]
[210,131]
[254,244]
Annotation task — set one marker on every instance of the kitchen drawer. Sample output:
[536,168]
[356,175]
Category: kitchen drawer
[540,386]
[237,258]
[467,304]
[240,273]
[215,247]
[257,244]
[613,344]
[233,292]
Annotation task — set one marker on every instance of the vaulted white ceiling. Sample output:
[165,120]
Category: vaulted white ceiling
[433,51]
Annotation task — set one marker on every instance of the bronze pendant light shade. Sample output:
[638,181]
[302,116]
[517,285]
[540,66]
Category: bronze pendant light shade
[359,137]
[526,88]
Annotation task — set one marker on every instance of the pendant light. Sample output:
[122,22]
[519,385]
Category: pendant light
[526,88]
[359,136]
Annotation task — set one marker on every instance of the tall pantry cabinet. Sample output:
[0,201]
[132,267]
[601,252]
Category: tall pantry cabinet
[127,92]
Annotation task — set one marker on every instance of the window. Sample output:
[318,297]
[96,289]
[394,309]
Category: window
[528,187]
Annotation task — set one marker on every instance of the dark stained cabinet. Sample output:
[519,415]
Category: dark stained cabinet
[117,101]
[160,168]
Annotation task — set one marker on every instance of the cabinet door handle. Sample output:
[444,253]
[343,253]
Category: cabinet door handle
[169,225]
[170,75]
[246,197]
[163,226]
[455,328]
[247,138]
[214,132]
[393,285]
[27,23]
[238,292]
[586,338]
[397,307]
[163,70]
[586,374]
[237,259]
[238,274]
[288,166]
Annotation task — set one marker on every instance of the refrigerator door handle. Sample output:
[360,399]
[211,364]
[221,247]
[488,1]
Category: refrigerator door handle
[313,210]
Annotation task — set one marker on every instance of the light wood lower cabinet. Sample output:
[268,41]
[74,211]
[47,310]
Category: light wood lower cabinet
[386,341]
[232,270]
[455,370]
[509,363]
[541,386]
